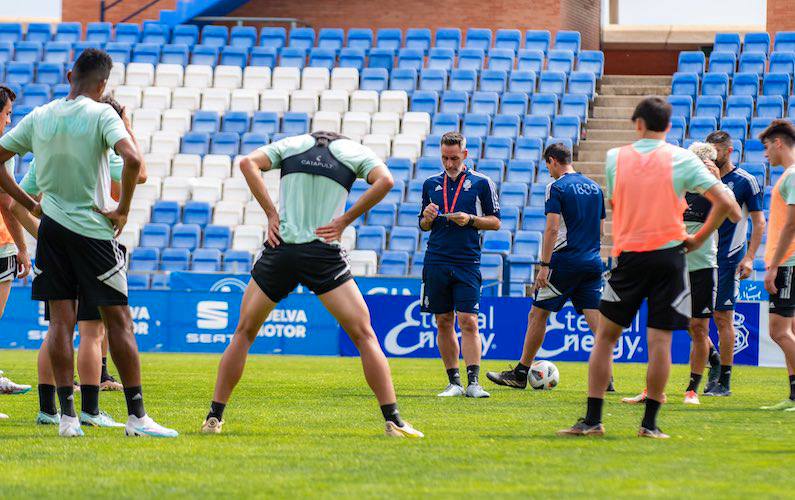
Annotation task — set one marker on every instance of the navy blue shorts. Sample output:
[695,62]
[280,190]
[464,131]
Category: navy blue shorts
[584,289]
[450,287]
[728,285]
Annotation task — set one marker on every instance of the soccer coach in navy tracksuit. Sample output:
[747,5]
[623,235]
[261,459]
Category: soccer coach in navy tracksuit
[456,205]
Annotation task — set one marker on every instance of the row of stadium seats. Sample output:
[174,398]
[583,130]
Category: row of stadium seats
[736,106]
[305,38]
[738,127]
[743,84]
[728,63]
[754,42]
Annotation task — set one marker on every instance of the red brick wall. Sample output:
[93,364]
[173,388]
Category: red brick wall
[86,11]
[583,16]
[780,16]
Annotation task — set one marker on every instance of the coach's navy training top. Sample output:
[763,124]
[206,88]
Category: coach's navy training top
[732,237]
[449,242]
[581,204]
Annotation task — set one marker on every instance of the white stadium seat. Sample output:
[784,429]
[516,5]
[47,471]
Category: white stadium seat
[157,98]
[345,79]
[216,167]
[385,123]
[176,120]
[117,75]
[356,125]
[169,75]
[394,101]
[244,100]
[416,123]
[140,208]
[144,141]
[365,101]
[363,262]
[140,74]
[334,100]
[256,78]
[206,189]
[165,142]
[157,164]
[148,192]
[146,121]
[236,189]
[304,101]
[128,96]
[227,213]
[176,189]
[187,98]
[228,77]
[186,165]
[198,76]
[315,78]
[130,235]
[348,241]
[215,100]
[285,78]
[276,100]
[380,144]
[407,146]
[254,214]
[326,120]
[248,237]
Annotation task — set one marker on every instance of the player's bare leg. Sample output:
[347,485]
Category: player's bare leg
[699,353]
[449,350]
[471,346]
[724,320]
[516,377]
[106,381]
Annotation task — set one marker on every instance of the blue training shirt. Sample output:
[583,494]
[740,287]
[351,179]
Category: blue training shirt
[732,237]
[581,205]
[450,243]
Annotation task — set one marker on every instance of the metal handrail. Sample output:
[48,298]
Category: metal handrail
[104,7]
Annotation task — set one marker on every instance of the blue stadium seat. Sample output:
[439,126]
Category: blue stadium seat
[506,126]
[60,90]
[682,105]
[10,32]
[568,40]
[389,39]
[685,84]
[160,281]
[418,38]
[137,281]
[127,33]
[471,58]
[234,56]
[678,129]
[146,53]
[265,122]
[39,32]
[441,58]
[558,140]
[582,83]
[28,52]
[408,213]
[401,168]
[491,268]
[753,62]
[533,219]
[475,124]
[509,218]
[758,43]
[381,58]
[544,105]
[235,121]
[371,238]
[410,58]
[195,143]
[757,126]
[448,38]
[536,126]
[321,57]
[79,47]
[6,52]
[35,94]
[501,59]
[68,32]
[225,143]
[156,33]
[552,82]
[771,106]
[522,170]
[782,62]
[592,61]
[485,102]
[50,73]
[754,150]
[493,169]
[497,241]
[710,105]
[758,170]
[560,60]
[293,57]
[691,62]
[351,57]
[463,79]
[500,148]
[185,34]
[522,81]
[405,238]
[493,80]
[243,36]
[791,107]
[295,123]
[715,84]
[197,212]
[19,113]
[530,60]
[155,235]
[537,40]
[175,259]
[445,122]
[428,165]
[301,38]
[746,84]
[727,42]
[478,38]
[513,194]
[701,127]
[723,62]
[383,214]
[566,127]
[145,259]
[263,57]
[120,52]
[165,212]
[206,122]
[474,147]
[217,237]
[508,39]
[425,101]
[331,38]
[737,154]
[238,261]
[785,41]
[186,236]
[537,195]
[20,73]
[394,263]
[514,103]
[273,37]
[417,263]
[414,194]
[360,38]
[374,79]
[528,243]
[575,105]
[777,84]
[454,102]
[521,272]
[736,127]
[740,105]
[206,260]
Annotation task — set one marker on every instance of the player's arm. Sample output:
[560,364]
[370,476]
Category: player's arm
[251,166]
[10,186]
[142,171]
[721,207]
[551,230]
[25,218]
[131,157]
[758,224]
[15,229]
[429,211]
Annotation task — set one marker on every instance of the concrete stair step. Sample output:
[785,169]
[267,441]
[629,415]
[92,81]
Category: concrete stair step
[618,101]
[594,145]
[636,80]
[644,90]
[609,124]
[611,135]
[592,169]
[613,112]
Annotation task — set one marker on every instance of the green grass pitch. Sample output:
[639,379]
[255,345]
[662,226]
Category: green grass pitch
[300,427]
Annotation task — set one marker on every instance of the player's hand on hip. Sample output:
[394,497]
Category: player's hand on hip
[460,218]
[23,264]
[332,231]
[274,234]
[36,211]
[691,244]
[770,280]
[542,279]
[744,268]
[431,212]
[117,219]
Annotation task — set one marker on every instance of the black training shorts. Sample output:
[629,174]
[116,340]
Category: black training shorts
[703,289]
[783,301]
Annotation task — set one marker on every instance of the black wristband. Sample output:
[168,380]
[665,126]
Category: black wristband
[541,263]
[471,222]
